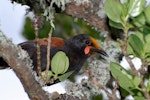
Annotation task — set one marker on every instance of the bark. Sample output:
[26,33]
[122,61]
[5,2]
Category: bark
[20,62]
[91,12]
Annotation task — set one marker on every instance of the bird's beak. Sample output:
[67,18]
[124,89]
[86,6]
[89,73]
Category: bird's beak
[91,50]
[100,51]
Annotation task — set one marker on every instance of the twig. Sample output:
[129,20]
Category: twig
[114,90]
[144,90]
[134,71]
[124,51]
[48,53]
[111,96]
[143,68]
[35,25]
[107,92]
[142,72]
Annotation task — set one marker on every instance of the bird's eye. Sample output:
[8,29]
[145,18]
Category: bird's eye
[88,42]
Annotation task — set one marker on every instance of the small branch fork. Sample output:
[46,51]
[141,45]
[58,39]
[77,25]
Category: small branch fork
[36,26]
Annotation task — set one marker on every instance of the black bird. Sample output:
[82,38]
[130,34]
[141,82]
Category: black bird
[77,48]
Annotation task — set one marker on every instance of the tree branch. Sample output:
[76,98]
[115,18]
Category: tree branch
[20,62]
[92,12]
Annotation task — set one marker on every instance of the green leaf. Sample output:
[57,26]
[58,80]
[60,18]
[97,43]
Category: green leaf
[147,44]
[137,81]
[140,35]
[147,14]
[146,30]
[130,50]
[120,74]
[49,75]
[147,38]
[139,97]
[123,92]
[65,76]
[98,97]
[115,25]
[60,63]
[148,61]
[148,88]
[137,45]
[28,30]
[135,7]
[124,10]
[148,85]
[113,10]
[139,21]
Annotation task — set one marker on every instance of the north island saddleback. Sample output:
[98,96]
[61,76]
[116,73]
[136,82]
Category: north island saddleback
[77,48]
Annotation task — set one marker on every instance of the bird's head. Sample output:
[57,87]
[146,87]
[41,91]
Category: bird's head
[85,45]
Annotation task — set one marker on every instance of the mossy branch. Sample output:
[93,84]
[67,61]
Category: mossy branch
[20,62]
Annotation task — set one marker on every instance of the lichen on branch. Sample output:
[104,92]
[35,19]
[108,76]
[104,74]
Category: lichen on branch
[20,62]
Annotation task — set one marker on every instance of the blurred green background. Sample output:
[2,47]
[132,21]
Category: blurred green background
[65,27]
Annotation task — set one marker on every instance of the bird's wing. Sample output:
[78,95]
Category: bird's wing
[30,46]
[55,42]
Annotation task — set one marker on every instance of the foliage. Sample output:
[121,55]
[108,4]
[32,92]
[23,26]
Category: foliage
[132,16]
[59,67]
[65,26]
[28,30]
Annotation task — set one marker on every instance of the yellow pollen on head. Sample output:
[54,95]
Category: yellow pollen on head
[95,43]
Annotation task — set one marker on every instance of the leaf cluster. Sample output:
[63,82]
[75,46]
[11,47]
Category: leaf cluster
[132,16]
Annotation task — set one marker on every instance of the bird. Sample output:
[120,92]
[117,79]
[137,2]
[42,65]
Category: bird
[77,48]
